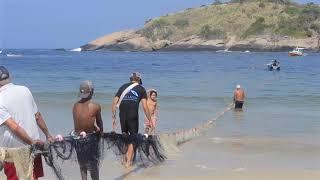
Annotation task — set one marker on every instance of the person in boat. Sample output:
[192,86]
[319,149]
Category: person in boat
[128,98]
[153,110]
[87,119]
[19,122]
[275,63]
[238,97]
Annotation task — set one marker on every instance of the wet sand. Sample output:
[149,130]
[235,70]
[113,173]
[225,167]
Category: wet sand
[261,175]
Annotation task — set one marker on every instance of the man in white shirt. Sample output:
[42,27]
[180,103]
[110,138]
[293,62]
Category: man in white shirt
[19,122]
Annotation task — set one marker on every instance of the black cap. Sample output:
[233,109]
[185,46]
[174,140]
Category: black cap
[136,76]
[4,73]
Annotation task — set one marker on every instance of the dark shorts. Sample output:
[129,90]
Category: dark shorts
[129,122]
[238,104]
[88,152]
[10,169]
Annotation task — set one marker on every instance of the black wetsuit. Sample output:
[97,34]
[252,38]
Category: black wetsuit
[129,108]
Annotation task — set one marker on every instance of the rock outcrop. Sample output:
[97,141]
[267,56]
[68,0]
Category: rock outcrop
[254,25]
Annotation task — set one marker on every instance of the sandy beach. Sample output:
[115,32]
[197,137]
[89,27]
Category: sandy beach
[261,175]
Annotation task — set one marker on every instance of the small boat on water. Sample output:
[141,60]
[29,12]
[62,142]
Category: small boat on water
[296,52]
[274,65]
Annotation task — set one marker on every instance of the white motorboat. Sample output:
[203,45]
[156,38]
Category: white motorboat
[296,52]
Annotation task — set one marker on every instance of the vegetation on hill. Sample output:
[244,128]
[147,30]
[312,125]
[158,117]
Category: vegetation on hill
[240,18]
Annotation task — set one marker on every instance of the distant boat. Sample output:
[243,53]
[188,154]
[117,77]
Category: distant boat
[247,51]
[296,52]
[76,50]
[0,51]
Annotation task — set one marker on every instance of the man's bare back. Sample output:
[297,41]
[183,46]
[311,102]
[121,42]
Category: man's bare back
[86,115]
[87,118]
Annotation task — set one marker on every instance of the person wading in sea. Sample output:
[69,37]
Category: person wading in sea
[238,97]
[19,122]
[87,119]
[128,99]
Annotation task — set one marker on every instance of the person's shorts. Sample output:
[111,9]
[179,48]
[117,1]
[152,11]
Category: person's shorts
[10,169]
[88,151]
[238,104]
[129,123]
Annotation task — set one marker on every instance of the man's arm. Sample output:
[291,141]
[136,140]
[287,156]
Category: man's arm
[113,111]
[18,131]
[99,120]
[146,109]
[42,125]
[114,104]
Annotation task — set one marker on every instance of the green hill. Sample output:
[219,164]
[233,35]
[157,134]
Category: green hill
[248,18]
[278,24]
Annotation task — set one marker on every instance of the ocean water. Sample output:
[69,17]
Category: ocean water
[279,127]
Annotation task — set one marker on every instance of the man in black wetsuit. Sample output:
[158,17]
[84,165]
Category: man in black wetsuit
[127,100]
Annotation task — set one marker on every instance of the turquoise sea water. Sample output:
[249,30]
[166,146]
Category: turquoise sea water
[280,122]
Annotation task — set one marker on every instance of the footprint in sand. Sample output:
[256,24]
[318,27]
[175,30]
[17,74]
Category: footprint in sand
[204,167]
[217,140]
[239,169]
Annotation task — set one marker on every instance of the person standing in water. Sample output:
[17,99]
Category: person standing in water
[127,99]
[238,97]
[150,127]
[87,119]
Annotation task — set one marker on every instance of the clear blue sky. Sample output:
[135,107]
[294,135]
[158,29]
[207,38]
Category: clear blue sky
[71,23]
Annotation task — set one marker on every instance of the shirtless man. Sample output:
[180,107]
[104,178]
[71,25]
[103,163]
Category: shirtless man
[87,118]
[238,97]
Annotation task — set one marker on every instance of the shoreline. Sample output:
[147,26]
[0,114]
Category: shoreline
[195,48]
[206,49]
[131,40]
[247,175]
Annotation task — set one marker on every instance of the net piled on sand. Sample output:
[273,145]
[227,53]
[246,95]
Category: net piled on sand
[22,158]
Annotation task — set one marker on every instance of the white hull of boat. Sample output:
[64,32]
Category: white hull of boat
[296,52]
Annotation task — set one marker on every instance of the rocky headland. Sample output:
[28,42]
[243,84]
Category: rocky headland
[254,25]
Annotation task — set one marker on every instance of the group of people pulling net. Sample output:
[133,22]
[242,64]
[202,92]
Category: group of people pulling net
[21,149]
[88,150]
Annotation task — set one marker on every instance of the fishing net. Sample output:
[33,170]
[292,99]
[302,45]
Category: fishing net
[89,151]
[22,158]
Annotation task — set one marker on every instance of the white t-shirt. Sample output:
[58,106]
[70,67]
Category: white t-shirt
[17,102]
